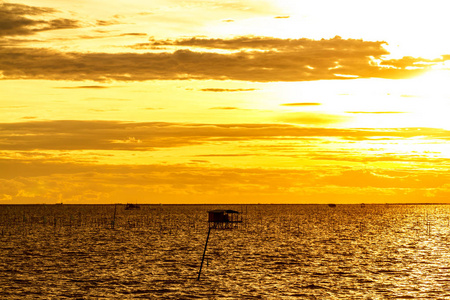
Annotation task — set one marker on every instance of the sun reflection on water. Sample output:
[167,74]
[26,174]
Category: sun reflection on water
[283,252]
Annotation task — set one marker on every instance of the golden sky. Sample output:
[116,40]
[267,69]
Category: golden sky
[203,101]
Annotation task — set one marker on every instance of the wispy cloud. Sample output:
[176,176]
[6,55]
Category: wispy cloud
[320,61]
[47,180]
[303,45]
[114,135]
[20,19]
[385,179]
[307,118]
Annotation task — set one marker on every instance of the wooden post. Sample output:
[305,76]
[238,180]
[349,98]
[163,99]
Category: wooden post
[204,252]
[114,220]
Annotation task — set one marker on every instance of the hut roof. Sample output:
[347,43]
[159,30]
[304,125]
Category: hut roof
[228,211]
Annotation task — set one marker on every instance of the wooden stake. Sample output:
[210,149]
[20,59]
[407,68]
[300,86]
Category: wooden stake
[204,252]
[114,220]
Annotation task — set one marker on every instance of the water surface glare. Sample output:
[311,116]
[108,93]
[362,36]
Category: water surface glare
[280,252]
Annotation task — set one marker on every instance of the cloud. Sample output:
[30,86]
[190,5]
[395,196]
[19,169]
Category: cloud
[411,62]
[386,179]
[19,19]
[115,135]
[38,181]
[352,156]
[104,34]
[199,161]
[133,34]
[46,182]
[305,45]
[108,23]
[307,118]
[324,59]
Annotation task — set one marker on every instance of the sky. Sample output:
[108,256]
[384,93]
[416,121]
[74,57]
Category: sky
[268,101]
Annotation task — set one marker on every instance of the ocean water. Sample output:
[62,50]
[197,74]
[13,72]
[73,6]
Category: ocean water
[279,252]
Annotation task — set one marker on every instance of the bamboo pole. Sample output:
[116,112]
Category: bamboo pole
[204,252]
[114,220]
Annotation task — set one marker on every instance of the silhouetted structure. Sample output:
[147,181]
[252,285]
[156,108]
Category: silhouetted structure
[223,219]
[219,219]
[132,206]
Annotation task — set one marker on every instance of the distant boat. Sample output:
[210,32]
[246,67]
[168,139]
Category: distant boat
[132,206]
[60,203]
[332,205]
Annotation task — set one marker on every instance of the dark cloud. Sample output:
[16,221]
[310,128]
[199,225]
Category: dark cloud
[59,24]
[107,23]
[114,135]
[199,161]
[21,9]
[133,34]
[19,19]
[352,46]
[291,61]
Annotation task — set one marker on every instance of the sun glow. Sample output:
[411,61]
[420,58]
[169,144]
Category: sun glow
[279,96]
[433,83]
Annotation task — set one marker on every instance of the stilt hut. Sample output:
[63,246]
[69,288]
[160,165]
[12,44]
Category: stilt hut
[220,219]
[223,219]
[132,206]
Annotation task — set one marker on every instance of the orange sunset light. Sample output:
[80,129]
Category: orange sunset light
[223,102]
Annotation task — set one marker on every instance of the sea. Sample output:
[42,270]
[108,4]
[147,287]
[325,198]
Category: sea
[359,251]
